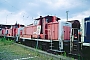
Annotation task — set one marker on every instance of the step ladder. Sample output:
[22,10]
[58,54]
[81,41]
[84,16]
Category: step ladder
[75,47]
[51,45]
[51,42]
[74,44]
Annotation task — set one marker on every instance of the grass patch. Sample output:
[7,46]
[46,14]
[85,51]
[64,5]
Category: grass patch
[3,41]
[11,51]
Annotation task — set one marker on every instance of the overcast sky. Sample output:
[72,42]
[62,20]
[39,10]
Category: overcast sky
[25,11]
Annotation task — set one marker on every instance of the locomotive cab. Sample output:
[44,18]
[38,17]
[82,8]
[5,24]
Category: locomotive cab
[86,31]
[75,29]
[43,21]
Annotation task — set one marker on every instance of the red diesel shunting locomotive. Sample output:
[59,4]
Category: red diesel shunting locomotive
[50,33]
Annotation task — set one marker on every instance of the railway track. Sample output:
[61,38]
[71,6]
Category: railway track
[58,57]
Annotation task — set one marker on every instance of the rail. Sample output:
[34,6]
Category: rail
[57,57]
